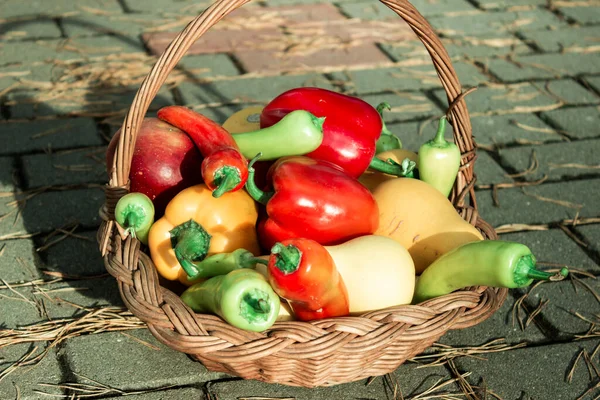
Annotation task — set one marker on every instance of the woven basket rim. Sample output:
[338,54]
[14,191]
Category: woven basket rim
[222,347]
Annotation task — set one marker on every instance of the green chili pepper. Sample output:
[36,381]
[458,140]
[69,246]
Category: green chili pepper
[406,169]
[439,161]
[217,264]
[298,133]
[387,140]
[243,298]
[135,213]
[493,263]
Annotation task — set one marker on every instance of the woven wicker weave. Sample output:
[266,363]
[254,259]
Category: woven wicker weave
[320,353]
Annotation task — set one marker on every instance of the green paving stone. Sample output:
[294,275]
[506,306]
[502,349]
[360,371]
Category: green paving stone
[25,383]
[553,247]
[55,209]
[55,134]
[404,105]
[65,168]
[404,78]
[19,261]
[7,174]
[506,99]
[127,27]
[247,89]
[562,39]
[106,45]
[483,23]
[579,123]
[36,71]
[371,10]
[173,394]
[205,66]
[139,366]
[500,130]
[411,134]
[501,4]
[17,308]
[74,255]
[571,92]
[532,373]
[565,300]
[13,8]
[483,47]
[591,234]
[367,10]
[541,66]
[188,7]
[593,81]
[582,14]
[488,170]
[499,326]
[557,161]
[30,29]
[536,204]
[27,52]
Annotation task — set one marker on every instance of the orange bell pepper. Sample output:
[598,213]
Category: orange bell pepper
[196,225]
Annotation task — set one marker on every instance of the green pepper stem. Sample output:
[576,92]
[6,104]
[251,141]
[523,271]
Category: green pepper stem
[439,139]
[132,219]
[288,258]
[255,304]
[226,178]
[317,122]
[391,167]
[380,107]
[525,271]
[258,195]
[190,242]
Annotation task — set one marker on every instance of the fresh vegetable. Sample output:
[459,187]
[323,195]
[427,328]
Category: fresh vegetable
[351,126]
[378,272]
[285,311]
[421,219]
[439,161]
[243,298]
[493,263]
[244,120]
[373,178]
[387,140]
[224,168]
[135,213]
[297,133]
[218,226]
[303,272]
[164,162]
[313,199]
[217,264]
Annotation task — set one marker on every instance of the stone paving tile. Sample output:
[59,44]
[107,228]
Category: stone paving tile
[591,235]
[367,10]
[499,326]
[557,161]
[126,26]
[501,130]
[65,168]
[404,105]
[55,134]
[104,45]
[373,10]
[563,39]
[570,92]
[14,8]
[483,47]
[581,14]
[19,261]
[8,169]
[537,204]
[488,170]
[262,89]
[541,66]
[403,78]
[137,357]
[35,28]
[502,4]
[593,82]
[172,394]
[36,71]
[531,373]
[24,53]
[554,247]
[205,66]
[24,382]
[18,308]
[486,23]
[73,256]
[163,6]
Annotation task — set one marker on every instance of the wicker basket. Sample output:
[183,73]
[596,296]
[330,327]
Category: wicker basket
[310,354]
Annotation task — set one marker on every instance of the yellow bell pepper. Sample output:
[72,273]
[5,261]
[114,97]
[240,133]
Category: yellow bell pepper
[196,225]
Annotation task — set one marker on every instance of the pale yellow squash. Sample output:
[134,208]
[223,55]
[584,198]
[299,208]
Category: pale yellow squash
[420,218]
[245,120]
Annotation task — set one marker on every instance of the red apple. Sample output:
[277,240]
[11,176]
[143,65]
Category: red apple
[165,161]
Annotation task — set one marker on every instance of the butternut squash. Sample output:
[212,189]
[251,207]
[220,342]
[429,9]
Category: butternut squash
[420,218]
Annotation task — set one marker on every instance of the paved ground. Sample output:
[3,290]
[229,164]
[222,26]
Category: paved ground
[68,71]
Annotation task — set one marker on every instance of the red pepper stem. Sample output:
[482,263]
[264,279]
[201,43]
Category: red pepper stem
[226,178]
[288,258]
[190,242]
[439,140]
[258,195]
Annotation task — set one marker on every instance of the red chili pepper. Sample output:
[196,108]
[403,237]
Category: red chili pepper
[351,128]
[313,199]
[303,272]
[224,168]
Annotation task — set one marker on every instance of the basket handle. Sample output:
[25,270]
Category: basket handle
[196,28]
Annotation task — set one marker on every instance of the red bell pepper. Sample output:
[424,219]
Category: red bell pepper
[351,128]
[313,199]
[303,272]
[224,168]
